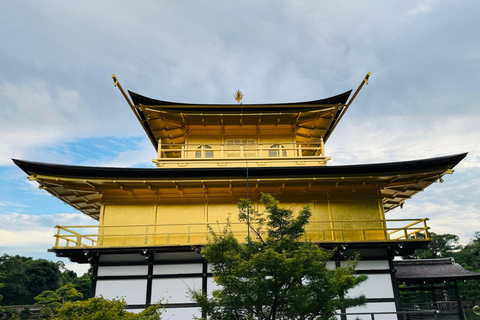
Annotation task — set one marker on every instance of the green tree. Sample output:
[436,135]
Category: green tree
[469,258]
[441,246]
[42,275]
[51,301]
[68,293]
[67,276]
[7,313]
[84,285]
[15,290]
[98,308]
[275,274]
[469,255]
[25,314]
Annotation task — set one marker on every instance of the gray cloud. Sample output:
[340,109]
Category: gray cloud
[422,101]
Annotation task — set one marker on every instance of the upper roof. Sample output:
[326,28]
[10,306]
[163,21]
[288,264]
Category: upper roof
[431,271]
[170,121]
[81,186]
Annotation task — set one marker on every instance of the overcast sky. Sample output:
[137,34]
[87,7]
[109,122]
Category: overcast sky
[58,103]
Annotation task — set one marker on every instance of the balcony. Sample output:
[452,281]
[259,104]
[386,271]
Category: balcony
[235,153]
[70,237]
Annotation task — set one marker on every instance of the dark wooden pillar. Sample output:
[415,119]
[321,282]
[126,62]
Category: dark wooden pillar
[461,312]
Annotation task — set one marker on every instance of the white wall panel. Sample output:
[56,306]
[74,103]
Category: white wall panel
[211,285]
[374,307]
[177,268]
[373,265]
[181,313]
[122,270]
[133,291]
[174,290]
[376,286]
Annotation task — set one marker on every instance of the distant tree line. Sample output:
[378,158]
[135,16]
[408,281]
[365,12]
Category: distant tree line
[24,278]
[27,281]
[61,293]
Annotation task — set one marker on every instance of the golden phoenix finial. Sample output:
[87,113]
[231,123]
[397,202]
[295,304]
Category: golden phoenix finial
[238,96]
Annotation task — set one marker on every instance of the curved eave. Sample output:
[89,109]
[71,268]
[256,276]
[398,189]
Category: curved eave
[169,120]
[82,187]
[377,169]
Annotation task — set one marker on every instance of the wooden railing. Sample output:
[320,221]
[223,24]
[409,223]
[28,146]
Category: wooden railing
[225,150]
[400,315]
[197,233]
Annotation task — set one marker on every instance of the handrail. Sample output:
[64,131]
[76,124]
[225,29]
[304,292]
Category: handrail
[414,223]
[256,150]
[197,233]
[405,315]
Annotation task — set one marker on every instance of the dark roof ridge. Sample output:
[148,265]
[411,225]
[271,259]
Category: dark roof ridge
[139,99]
[424,261]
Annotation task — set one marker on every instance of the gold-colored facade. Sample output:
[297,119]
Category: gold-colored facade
[210,156]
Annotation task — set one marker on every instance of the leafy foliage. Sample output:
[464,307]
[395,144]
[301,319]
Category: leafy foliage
[42,275]
[68,293]
[51,301]
[441,246]
[25,278]
[99,308]
[84,285]
[15,280]
[275,274]
[25,314]
[469,258]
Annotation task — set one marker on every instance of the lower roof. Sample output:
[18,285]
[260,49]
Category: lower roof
[431,271]
[390,168]
[82,186]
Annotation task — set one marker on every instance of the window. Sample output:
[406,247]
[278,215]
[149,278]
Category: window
[203,152]
[274,151]
[234,148]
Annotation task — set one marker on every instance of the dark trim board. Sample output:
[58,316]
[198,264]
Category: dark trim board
[155,276]
[377,300]
[166,306]
[343,252]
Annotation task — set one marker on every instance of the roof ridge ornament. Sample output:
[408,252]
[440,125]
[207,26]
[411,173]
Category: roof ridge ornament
[238,96]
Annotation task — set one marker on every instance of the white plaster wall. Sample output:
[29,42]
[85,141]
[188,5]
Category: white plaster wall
[133,291]
[211,285]
[374,307]
[177,268]
[376,286]
[373,265]
[181,313]
[174,290]
[122,270]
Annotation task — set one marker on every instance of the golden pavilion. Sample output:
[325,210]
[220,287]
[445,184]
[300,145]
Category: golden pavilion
[208,156]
